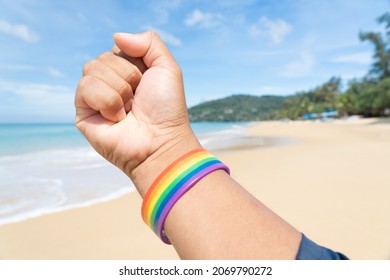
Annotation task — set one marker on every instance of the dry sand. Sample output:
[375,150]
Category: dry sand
[333,184]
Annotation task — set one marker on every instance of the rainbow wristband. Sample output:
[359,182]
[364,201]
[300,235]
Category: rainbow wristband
[172,183]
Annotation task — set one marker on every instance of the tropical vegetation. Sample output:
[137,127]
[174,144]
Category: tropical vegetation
[367,96]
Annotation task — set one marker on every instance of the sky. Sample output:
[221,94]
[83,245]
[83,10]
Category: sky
[224,47]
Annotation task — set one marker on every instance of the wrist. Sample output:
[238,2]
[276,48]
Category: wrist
[146,172]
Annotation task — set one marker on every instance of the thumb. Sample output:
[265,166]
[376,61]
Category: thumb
[147,45]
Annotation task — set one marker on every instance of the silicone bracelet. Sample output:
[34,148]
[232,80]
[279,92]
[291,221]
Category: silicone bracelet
[160,225]
[170,171]
[173,183]
[176,186]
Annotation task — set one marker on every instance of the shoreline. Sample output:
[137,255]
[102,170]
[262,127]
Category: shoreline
[325,185]
[37,213]
[234,138]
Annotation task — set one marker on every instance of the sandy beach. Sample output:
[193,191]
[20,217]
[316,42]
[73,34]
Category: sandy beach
[330,180]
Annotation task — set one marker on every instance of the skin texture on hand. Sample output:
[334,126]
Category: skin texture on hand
[130,113]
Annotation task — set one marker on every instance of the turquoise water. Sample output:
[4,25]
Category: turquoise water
[24,138]
[46,168]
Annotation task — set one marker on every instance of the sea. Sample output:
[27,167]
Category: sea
[47,168]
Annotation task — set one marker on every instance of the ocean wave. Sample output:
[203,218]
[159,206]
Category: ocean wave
[39,182]
[39,211]
[20,198]
[232,136]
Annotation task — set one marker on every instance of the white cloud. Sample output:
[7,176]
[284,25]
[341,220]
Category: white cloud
[276,30]
[353,74]
[167,37]
[110,22]
[20,31]
[262,53]
[211,98]
[300,67]
[54,72]
[82,17]
[234,3]
[274,90]
[17,67]
[84,57]
[39,94]
[205,20]
[163,8]
[364,58]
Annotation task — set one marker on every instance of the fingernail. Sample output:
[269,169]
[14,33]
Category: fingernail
[121,114]
[122,34]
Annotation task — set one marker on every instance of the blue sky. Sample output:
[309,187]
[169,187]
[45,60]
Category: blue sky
[224,46]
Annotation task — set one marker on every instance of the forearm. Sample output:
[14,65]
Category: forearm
[217,218]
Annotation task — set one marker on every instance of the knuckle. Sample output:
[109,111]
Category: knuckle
[112,101]
[115,49]
[86,82]
[104,56]
[177,69]
[133,76]
[89,66]
[153,34]
[125,90]
[83,82]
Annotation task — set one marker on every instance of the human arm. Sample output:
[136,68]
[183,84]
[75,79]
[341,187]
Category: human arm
[217,218]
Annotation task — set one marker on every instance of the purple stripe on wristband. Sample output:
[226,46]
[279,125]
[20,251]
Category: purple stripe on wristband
[188,185]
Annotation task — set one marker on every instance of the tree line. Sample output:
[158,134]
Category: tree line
[367,96]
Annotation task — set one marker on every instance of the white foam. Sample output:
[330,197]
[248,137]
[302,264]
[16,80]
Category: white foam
[38,183]
[38,212]
[233,136]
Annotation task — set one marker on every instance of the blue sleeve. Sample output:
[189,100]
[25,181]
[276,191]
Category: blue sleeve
[308,250]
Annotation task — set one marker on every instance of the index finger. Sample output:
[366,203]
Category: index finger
[137,61]
[149,47]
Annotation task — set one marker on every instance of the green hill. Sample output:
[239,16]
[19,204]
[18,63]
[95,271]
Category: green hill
[367,96]
[236,108]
